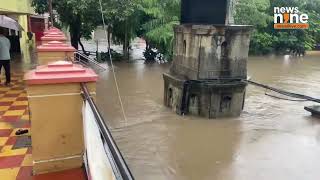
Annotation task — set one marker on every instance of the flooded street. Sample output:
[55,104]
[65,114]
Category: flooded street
[272,139]
[92,89]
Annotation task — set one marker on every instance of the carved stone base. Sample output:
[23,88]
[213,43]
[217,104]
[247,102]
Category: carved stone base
[206,98]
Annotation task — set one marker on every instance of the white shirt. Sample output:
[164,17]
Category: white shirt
[4,48]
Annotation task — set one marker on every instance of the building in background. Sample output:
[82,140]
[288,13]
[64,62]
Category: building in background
[33,25]
[38,24]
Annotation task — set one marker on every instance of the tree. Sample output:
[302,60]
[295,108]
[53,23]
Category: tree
[40,6]
[265,39]
[162,16]
[122,21]
[154,20]
[81,16]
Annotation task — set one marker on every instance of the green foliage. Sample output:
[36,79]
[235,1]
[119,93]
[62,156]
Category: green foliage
[114,54]
[162,15]
[265,39]
[41,6]
[81,14]
[261,43]
[253,12]
[118,10]
[123,21]
[154,20]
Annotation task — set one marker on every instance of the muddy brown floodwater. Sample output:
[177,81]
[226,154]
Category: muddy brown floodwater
[272,139]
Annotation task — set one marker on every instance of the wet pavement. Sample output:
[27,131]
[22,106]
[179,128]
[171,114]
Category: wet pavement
[272,139]
[16,159]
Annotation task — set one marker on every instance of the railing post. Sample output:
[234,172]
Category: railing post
[53,51]
[54,47]
[53,36]
[55,102]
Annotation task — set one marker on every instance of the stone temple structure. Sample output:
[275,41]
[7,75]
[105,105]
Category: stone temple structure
[209,61]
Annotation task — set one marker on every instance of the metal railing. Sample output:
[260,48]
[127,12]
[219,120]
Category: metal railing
[119,165]
[87,61]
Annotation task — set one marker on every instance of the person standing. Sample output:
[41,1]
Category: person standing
[5,56]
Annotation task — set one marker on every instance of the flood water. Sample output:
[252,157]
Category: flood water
[272,139]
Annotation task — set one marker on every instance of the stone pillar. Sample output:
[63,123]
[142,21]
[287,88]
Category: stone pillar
[209,63]
[55,102]
[53,51]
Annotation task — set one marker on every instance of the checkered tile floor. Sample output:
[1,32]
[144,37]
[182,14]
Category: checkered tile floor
[14,115]
[16,164]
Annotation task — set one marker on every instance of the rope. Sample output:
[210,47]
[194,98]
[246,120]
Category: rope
[112,66]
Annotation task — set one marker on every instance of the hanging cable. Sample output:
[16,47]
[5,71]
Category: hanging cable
[112,66]
[285,93]
[286,99]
